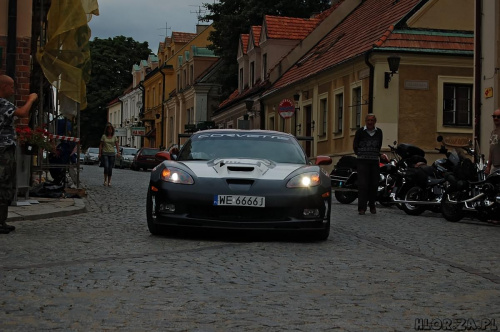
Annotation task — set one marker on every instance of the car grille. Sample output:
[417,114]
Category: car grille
[231,213]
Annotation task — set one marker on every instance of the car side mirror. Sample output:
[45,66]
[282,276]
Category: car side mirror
[323,160]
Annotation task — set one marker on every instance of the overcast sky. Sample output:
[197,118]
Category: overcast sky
[145,20]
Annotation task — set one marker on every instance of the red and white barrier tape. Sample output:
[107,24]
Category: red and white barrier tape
[65,138]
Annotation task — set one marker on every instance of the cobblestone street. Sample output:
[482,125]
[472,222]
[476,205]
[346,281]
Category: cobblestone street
[103,270]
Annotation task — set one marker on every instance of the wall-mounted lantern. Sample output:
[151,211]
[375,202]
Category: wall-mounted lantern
[393,67]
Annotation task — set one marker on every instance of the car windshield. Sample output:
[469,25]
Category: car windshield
[129,151]
[278,148]
[93,150]
[149,152]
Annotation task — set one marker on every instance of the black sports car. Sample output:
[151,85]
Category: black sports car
[240,179]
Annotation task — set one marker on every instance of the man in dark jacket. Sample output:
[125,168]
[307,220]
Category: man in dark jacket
[367,145]
[8,146]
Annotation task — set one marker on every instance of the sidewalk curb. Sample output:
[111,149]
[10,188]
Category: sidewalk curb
[77,207]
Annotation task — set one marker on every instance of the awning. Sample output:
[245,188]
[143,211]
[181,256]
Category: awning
[152,132]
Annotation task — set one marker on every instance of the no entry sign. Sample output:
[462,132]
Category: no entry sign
[286,108]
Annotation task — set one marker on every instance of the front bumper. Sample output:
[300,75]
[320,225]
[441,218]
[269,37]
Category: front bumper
[284,210]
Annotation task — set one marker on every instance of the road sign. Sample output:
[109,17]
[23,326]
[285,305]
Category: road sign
[138,131]
[121,132]
[286,108]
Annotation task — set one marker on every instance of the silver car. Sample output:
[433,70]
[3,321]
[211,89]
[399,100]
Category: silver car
[126,157]
[91,156]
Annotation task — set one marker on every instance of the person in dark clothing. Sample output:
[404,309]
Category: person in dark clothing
[8,146]
[367,144]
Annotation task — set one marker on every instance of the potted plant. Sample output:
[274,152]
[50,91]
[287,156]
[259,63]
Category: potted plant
[32,140]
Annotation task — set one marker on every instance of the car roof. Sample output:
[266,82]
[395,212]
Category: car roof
[243,131]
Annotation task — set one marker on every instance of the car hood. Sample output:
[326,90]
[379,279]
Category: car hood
[241,168]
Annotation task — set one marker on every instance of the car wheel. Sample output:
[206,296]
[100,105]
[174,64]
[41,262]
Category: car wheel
[321,235]
[154,228]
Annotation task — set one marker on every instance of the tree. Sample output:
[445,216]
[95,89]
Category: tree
[112,62]
[234,17]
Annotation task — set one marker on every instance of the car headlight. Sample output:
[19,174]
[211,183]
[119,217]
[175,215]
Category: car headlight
[304,180]
[175,175]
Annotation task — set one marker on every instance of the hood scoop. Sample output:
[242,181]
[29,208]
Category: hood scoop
[240,169]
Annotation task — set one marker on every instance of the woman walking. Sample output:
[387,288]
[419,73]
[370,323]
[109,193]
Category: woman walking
[107,152]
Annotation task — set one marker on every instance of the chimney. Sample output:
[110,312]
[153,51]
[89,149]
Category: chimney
[201,27]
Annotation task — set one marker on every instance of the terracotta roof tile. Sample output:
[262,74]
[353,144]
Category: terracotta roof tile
[244,41]
[256,29]
[279,27]
[236,96]
[430,40]
[182,37]
[356,34]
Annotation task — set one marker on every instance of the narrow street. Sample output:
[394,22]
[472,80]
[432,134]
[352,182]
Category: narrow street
[102,270]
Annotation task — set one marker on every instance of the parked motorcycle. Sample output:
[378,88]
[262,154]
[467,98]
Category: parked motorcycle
[344,176]
[423,186]
[471,193]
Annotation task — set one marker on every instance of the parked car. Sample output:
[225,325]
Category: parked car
[241,179]
[126,157]
[91,156]
[145,159]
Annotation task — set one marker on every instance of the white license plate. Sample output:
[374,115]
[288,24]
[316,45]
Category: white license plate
[239,200]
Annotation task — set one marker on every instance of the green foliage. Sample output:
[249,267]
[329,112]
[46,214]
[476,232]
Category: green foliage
[112,62]
[234,17]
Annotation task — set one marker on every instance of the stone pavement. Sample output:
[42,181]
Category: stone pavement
[46,208]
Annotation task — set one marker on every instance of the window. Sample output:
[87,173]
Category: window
[178,82]
[192,74]
[190,116]
[457,105]
[323,116]
[252,73]
[339,113]
[356,107]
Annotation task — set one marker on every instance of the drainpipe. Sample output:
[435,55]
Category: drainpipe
[477,77]
[121,120]
[372,79]
[11,39]
[162,108]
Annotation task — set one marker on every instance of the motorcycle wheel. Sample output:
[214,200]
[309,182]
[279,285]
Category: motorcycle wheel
[451,211]
[346,197]
[413,194]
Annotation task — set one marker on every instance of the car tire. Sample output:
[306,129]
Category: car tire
[154,228]
[321,235]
